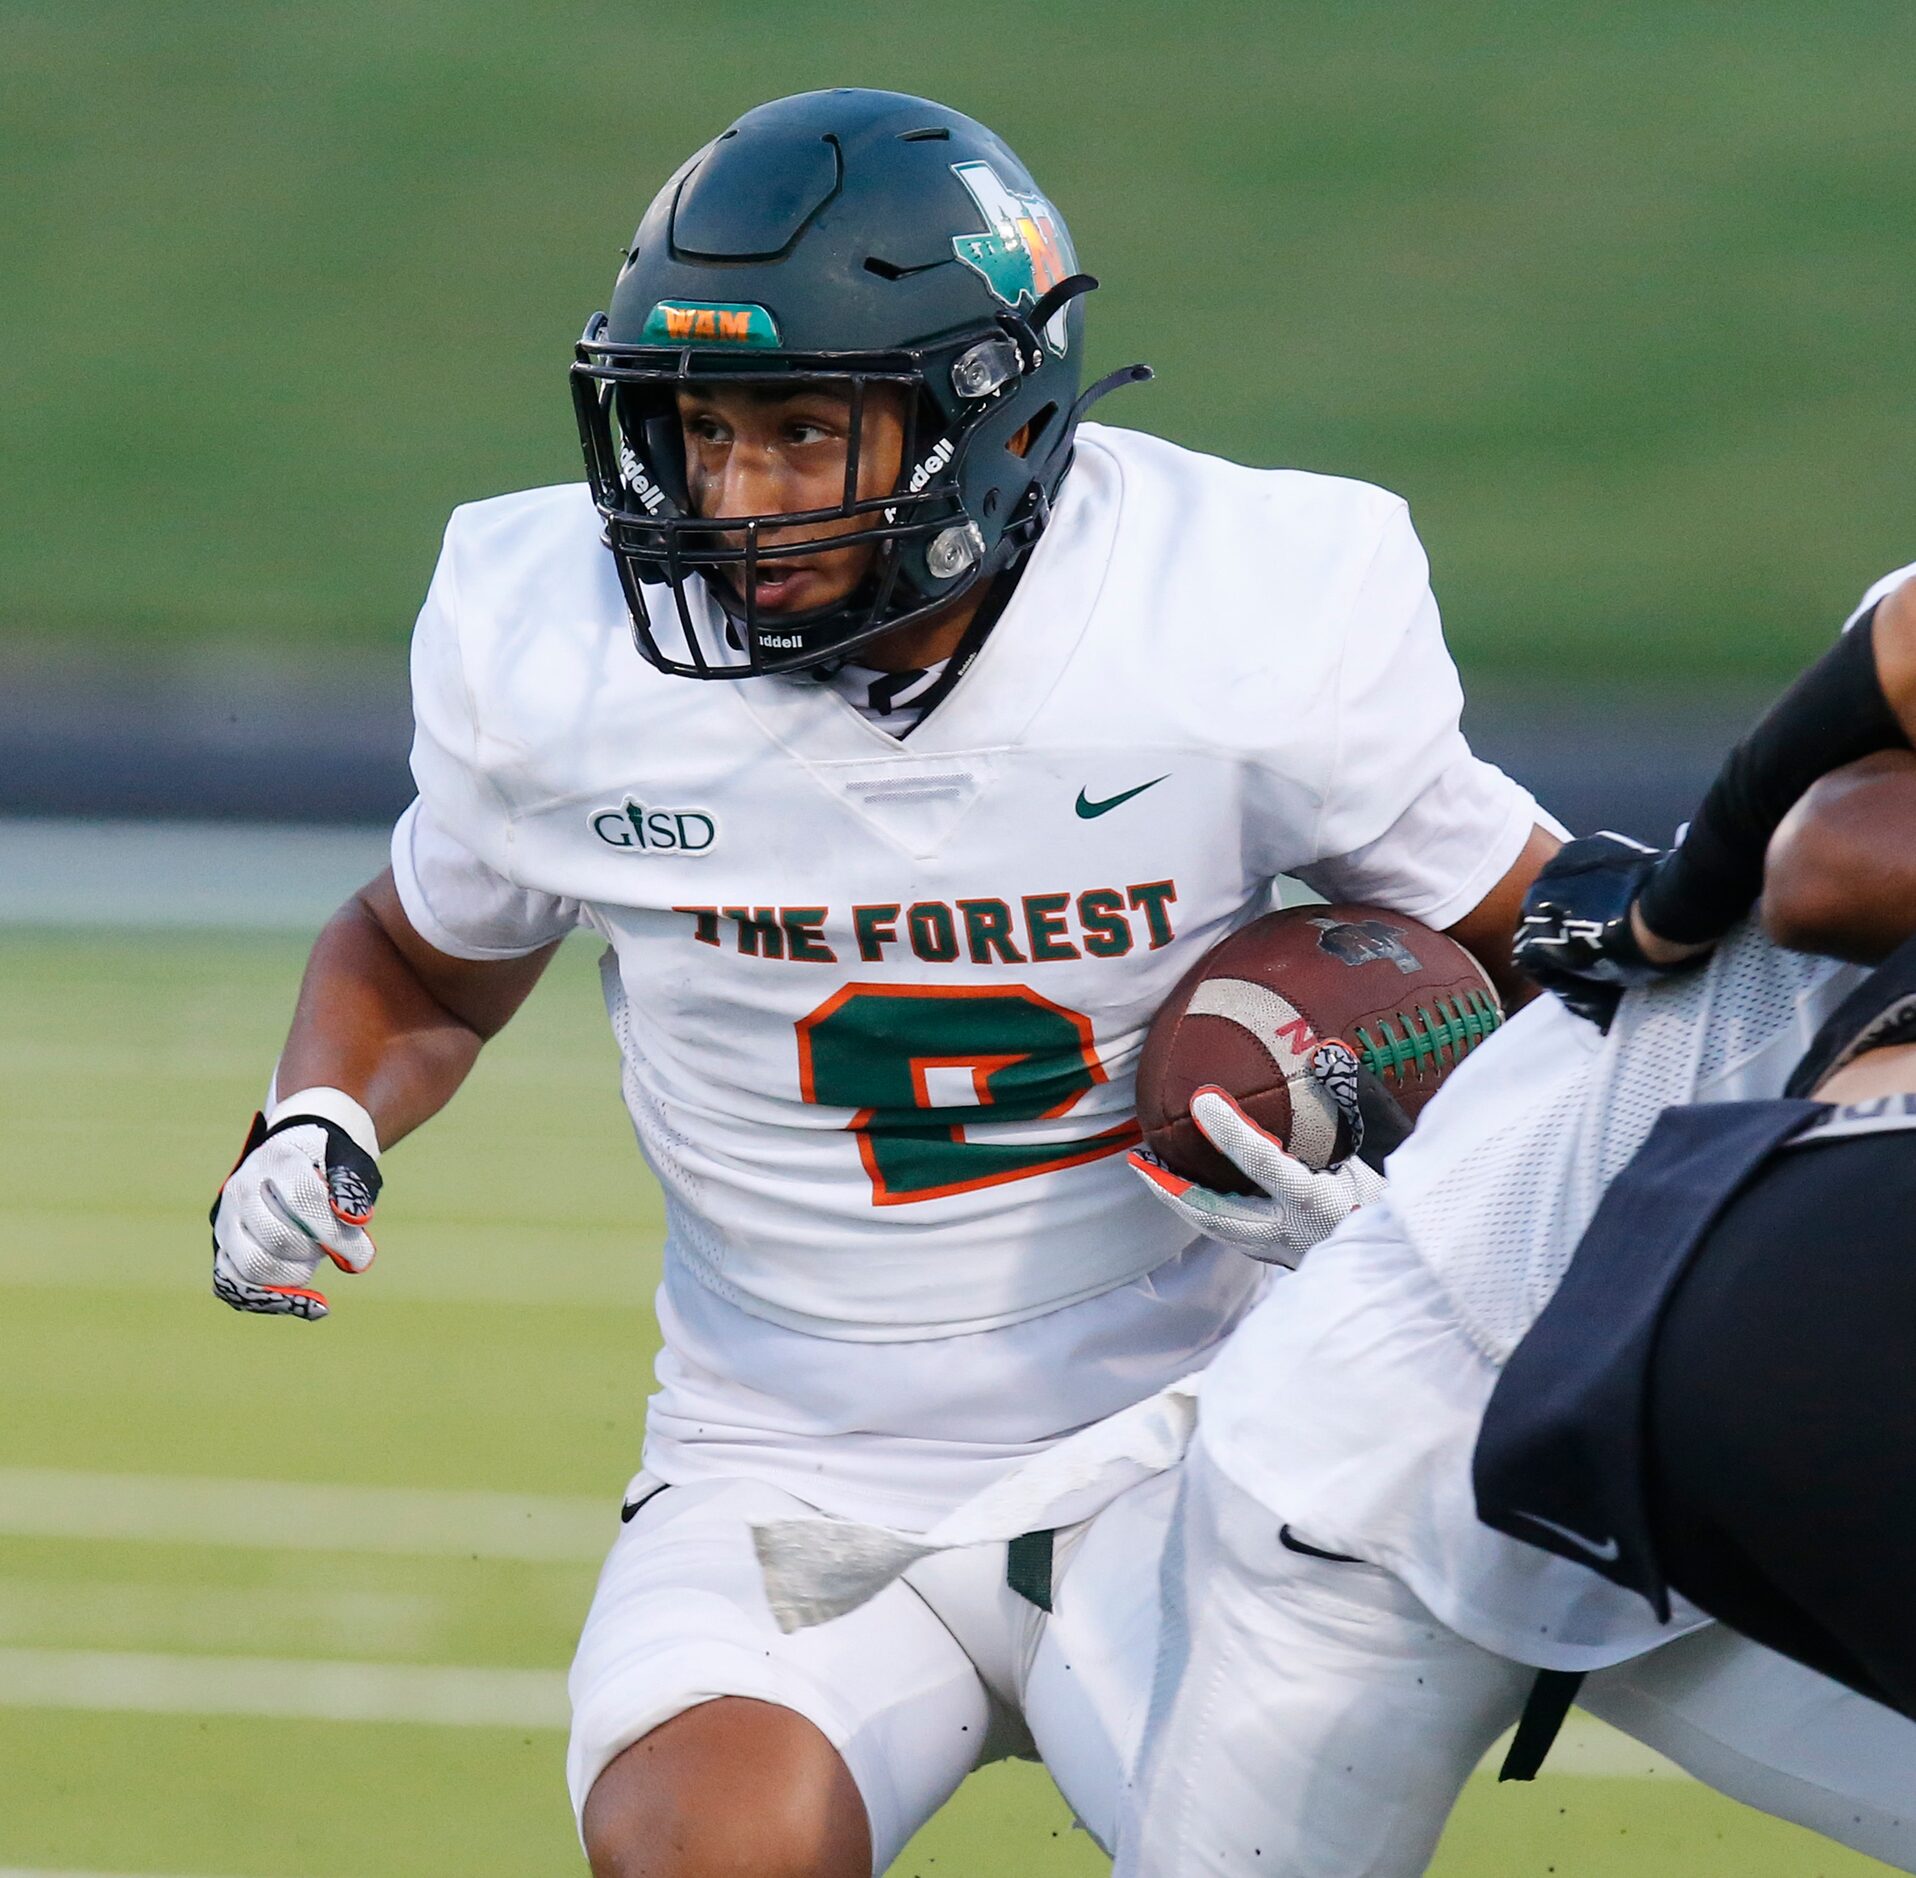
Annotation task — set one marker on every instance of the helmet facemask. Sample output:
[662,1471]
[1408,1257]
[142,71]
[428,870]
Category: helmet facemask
[693,582]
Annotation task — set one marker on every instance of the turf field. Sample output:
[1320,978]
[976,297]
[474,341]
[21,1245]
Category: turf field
[286,1601]
[1618,294]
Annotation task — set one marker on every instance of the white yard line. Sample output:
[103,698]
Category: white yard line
[458,1696]
[284,1516]
[592,1265]
[286,1689]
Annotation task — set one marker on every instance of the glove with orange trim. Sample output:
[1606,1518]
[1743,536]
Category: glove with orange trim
[302,1191]
[1296,1207]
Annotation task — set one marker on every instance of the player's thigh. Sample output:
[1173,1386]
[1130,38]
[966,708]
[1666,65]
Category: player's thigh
[1309,1716]
[1089,1683]
[1772,1734]
[680,1619]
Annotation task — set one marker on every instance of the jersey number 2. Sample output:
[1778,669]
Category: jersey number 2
[871,1048]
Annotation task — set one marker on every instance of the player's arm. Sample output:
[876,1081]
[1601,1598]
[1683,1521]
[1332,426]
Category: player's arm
[386,1029]
[1489,930]
[1410,817]
[390,1019]
[1841,877]
[1609,913]
[1859,698]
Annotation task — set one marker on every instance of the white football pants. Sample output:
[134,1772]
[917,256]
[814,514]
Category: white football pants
[1311,1719]
[939,1671]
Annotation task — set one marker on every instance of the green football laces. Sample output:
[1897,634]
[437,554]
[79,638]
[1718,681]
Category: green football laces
[1433,1037]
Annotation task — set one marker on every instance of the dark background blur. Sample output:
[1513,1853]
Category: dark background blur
[1617,295]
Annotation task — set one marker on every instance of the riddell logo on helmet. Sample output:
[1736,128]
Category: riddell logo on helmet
[941,454]
[651,496]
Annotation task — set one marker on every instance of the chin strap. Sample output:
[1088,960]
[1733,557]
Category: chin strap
[1110,382]
[1028,525]
[1060,296]
[990,610]
[1049,306]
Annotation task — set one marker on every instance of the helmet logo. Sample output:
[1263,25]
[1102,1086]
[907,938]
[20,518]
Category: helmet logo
[941,454]
[708,322]
[1024,251]
[651,496]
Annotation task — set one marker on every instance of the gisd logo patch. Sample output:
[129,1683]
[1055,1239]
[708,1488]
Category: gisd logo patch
[1024,251]
[640,830]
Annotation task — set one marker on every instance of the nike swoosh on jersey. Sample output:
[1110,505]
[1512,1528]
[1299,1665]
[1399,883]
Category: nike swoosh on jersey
[1087,808]
[1605,1551]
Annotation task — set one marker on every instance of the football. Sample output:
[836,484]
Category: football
[1410,1004]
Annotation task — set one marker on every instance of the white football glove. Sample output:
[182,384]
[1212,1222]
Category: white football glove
[302,1191]
[1297,1206]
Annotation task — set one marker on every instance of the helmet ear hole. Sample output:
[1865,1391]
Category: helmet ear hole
[1030,442]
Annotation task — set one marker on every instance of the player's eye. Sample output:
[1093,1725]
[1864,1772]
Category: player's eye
[809,430]
[703,427]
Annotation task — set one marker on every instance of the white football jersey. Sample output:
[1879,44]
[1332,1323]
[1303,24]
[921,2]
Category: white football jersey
[880,1002]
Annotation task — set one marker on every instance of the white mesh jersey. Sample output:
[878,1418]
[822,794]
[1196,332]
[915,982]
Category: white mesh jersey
[1349,1405]
[1498,1186]
[880,1003]
[1496,1195]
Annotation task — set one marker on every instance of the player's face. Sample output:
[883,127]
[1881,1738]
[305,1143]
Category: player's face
[769,450]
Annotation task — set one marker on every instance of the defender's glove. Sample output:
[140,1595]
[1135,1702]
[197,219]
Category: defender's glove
[1297,1206]
[302,1190]
[1575,937]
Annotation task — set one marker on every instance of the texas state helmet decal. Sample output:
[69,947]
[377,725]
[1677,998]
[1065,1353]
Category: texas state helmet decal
[1024,251]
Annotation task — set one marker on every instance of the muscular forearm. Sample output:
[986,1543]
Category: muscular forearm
[1841,873]
[1486,932]
[1858,699]
[390,1021]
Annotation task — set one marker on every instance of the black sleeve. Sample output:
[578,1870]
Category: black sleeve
[1833,714]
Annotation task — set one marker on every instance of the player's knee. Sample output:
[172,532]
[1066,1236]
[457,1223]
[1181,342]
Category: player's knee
[729,1787]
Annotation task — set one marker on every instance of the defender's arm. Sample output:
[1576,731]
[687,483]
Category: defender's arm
[1610,913]
[1858,699]
[1841,872]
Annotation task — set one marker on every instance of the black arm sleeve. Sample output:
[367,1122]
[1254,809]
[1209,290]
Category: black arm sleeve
[1833,714]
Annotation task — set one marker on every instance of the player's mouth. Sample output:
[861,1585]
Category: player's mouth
[787,587]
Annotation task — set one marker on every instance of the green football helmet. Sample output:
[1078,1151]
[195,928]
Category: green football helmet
[848,239]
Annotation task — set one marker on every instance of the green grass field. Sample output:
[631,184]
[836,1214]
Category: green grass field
[501,1347]
[1617,294]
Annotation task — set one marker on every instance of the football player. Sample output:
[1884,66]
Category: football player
[1344,1637]
[904,740]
